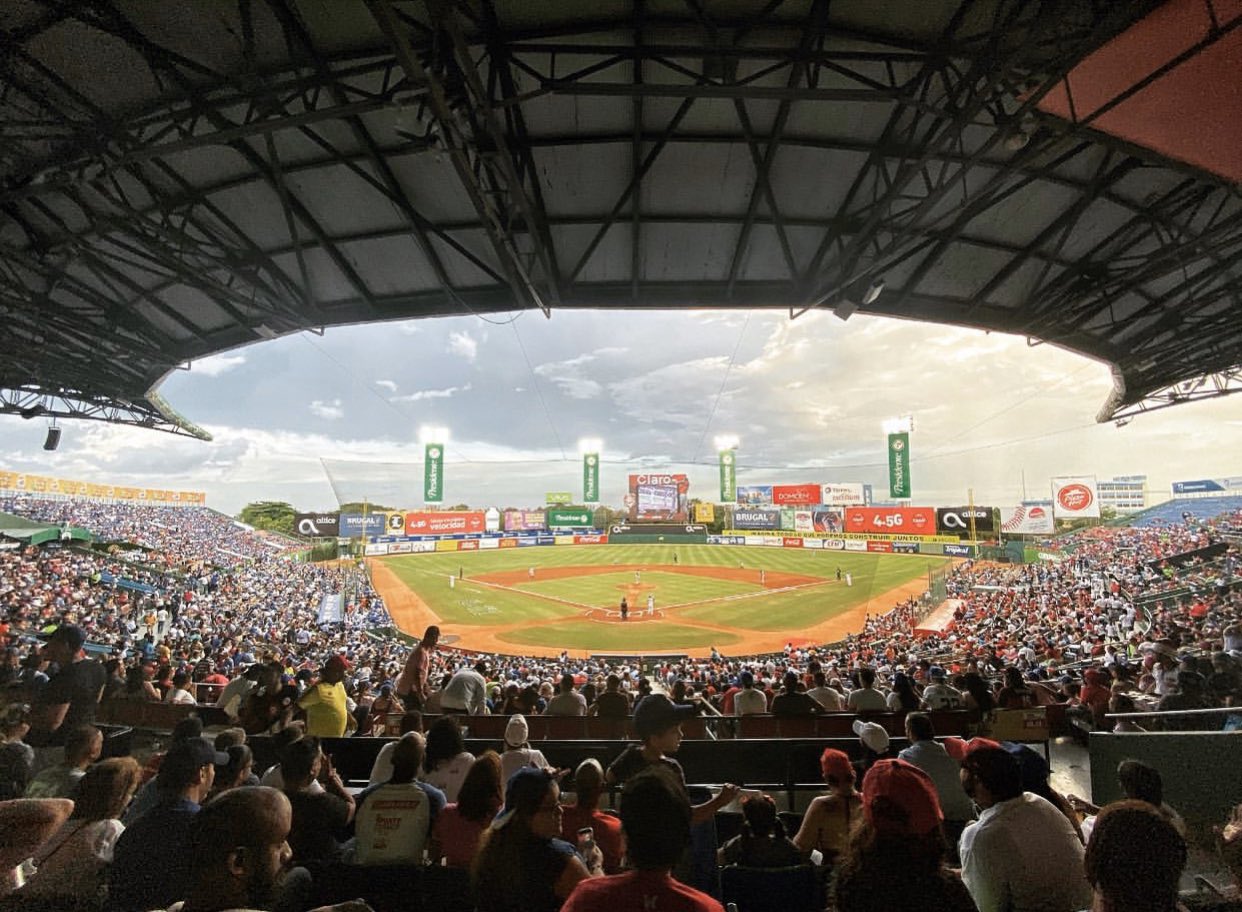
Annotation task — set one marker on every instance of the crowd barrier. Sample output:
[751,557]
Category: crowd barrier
[136,714]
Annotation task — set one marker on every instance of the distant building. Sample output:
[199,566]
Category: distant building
[1125,493]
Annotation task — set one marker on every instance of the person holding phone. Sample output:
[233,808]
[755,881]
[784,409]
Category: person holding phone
[584,816]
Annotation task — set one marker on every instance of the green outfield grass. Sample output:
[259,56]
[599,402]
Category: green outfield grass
[740,604]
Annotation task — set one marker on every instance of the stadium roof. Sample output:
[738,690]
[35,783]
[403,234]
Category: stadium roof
[177,179]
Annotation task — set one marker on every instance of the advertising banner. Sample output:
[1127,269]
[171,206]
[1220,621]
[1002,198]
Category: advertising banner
[489,544]
[855,544]
[491,519]
[754,495]
[906,520]
[828,519]
[880,547]
[524,520]
[959,550]
[1075,497]
[1208,485]
[813,543]
[433,473]
[788,542]
[756,519]
[704,513]
[728,476]
[590,478]
[659,497]
[376,550]
[803,521]
[899,466]
[446,523]
[558,497]
[957,519]
[799,495]
[317,525]
[571,518]
[1026,519]
[353,525]
[841,495]
[905,548]
[834,544]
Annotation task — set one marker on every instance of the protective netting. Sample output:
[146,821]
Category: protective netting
[525,483]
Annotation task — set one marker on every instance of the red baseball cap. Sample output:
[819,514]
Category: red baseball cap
[338,661]
[959,749]
[900,798]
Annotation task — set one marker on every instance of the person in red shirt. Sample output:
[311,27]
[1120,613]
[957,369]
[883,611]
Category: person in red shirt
[655,817]
[458,828]
[589,786]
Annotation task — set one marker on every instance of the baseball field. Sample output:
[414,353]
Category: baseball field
[541,601]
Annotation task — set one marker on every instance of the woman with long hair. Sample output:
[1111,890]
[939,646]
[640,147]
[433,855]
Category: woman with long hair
[460,825]
[74,862]
[138,687]
[829,819]
[523,865]
[903,697]
[896,856]
[762,842]
[446,760]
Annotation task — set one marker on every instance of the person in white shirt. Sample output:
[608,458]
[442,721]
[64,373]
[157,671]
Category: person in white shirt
[832,700]
[1022,855]
[178,693]
[866,698]
[394,818]
[567,702]
[939,695]
[466,691]
[748,701]
[518,752]
[945,773]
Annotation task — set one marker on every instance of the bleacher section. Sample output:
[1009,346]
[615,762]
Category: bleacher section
[1170,513]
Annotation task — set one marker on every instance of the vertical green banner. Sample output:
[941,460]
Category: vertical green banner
[590,478]
[728,476]
[899,466]
[433,473]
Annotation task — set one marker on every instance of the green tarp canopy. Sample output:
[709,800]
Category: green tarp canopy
[27,530]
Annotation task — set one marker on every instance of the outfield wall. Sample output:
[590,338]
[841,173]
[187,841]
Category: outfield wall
[380,546]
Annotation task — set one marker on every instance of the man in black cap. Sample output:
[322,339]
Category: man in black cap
[657,722]
[151,861]
[72,694]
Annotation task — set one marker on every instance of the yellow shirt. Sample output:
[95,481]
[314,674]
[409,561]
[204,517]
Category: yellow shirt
[326,712]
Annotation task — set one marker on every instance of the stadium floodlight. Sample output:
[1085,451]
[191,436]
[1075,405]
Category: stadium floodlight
[432,434]
[726,442]
[903,425]
[590,445]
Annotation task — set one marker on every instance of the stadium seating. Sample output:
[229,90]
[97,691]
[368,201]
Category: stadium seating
[1170,513]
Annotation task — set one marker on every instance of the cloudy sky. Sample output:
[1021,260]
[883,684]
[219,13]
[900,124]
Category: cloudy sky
[314,420]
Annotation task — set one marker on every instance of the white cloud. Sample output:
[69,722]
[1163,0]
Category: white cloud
[409,328]
[420,395]
[329,411]
[217,364]
[389,385]
[570,375]
[464,345]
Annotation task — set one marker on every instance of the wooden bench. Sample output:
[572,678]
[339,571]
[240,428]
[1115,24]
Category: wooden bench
[156,716]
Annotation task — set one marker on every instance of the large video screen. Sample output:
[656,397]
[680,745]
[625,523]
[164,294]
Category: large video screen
[658,497]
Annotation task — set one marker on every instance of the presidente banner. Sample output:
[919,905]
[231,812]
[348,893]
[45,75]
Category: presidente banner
[317,525]
[907,520]
[1027,519]
[353,525]
[24,483]
[445,523]
[704,513]
[841,495]
[728,476]
[899,466]
[957,519]
[571,518]
[658,497]
[754,495]
[799,495]
[1075,497]
[433,473]
[1208,485]
[590,478]
[524,520]
[753,518]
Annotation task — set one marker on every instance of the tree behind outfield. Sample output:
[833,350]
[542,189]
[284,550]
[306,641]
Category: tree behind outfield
[269,515]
